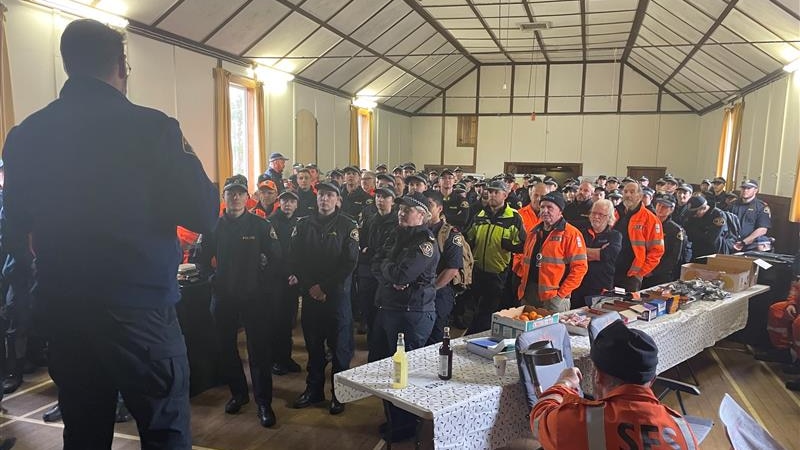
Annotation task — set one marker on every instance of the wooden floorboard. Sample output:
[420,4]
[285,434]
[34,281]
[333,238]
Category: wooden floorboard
[313,428]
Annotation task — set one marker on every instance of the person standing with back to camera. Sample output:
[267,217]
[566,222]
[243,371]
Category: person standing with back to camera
[106,277]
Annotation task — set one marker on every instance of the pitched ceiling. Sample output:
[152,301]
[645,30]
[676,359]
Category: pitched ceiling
[405,52]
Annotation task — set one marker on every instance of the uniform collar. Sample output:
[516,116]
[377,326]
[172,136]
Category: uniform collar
[81,87]
[636,392]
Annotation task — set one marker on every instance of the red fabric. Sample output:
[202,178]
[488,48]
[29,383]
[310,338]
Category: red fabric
[188,240]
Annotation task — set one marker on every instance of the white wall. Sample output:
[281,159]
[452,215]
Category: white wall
[180,83]
[603,143]
[770,139]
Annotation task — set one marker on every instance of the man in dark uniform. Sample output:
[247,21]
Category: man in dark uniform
[106,277]
[706,228]
[456,206]
[336,177]
[577,212]
[716,195]
[282,223]
[275,170]
[612,184]
[354,199]
[324,253]
[450,261]
[676,246]
[754,218]
[682,195]
[374,233]
[307,198]
[433,177]
[381,169]
[243,248]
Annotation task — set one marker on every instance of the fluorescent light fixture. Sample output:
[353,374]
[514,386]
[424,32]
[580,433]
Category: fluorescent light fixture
[365,102]
[792,66]
[269,75]
[80,10]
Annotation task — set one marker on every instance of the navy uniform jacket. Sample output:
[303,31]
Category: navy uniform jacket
[307,203]
[577,214]
[707,233]
[68,169]
[273,175]
[752,215]
[324,251]
[409,258]
[375,233]
[282,226]
[452,253]
[676,252]
[354,202]
[601,273]
[245,250]
[714,199]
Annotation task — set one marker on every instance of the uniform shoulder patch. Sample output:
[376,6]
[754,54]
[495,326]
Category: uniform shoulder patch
[370,201]
[719,221]
[354,234]
[458,240]
[272,233]
[767,211]
[427,249]
[465,204]
[681,236]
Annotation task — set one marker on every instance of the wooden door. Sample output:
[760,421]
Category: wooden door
[652,173]
[305,137]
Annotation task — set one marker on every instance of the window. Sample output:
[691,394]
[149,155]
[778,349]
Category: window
[242,135]
[467,131]
[364,138]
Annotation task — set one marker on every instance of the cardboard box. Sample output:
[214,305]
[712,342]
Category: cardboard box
[505,326]
[736,272]
[660,305]
[646,311]
[489,348]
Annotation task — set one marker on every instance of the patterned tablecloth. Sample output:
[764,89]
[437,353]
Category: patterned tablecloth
[477,409]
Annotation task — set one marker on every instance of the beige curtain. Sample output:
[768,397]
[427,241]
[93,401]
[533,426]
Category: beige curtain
[354,156]
[222,106]
[794,211]
[729,147]
[261,122]
[373,153]
[7,107]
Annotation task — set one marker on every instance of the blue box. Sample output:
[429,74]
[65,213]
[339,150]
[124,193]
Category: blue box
[661,306]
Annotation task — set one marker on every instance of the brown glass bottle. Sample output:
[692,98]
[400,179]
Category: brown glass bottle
[446,357]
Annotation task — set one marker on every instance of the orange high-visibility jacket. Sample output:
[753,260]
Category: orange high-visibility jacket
[629,417]
[647,240]
[564,247]
[529,220]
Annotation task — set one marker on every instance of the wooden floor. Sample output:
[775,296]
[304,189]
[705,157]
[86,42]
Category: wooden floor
[726,368]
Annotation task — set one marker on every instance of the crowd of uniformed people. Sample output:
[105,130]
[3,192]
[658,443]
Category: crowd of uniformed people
[377,252]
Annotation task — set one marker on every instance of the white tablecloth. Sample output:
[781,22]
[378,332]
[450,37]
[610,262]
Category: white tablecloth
[476,409]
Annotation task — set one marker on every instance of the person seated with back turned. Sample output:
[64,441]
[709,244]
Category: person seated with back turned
[626,415]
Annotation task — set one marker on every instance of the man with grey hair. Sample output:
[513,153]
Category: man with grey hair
[603,244]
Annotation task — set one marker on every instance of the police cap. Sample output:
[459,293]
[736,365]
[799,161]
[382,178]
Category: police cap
[696,202]
[330,187]
[276,156]
[446,171]
[416,200]
[718,180]
[665,200]
[415,179]
[289,195]
[685,187]
[386,178]
[236,182]
[749,183]
[385,192]
[614,194]
[497,185]
[352,169]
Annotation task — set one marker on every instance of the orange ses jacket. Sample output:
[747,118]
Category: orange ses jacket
[647,240]
[529,220]
[564,247]
[630,417]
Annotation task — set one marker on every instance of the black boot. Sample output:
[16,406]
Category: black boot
[266,416]
[336,407]
[308,398]
[12,382]
[53,414]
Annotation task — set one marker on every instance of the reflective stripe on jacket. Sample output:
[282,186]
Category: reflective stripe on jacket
[529,220]
[563,247]
[494,238]
[647,241]
[629,417]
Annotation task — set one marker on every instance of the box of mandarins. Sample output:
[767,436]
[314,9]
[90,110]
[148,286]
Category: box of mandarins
[510,323]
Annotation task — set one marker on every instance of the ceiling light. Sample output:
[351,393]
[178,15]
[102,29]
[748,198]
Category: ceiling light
[365,102]
[80,10]
[792,66]
[268,74]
